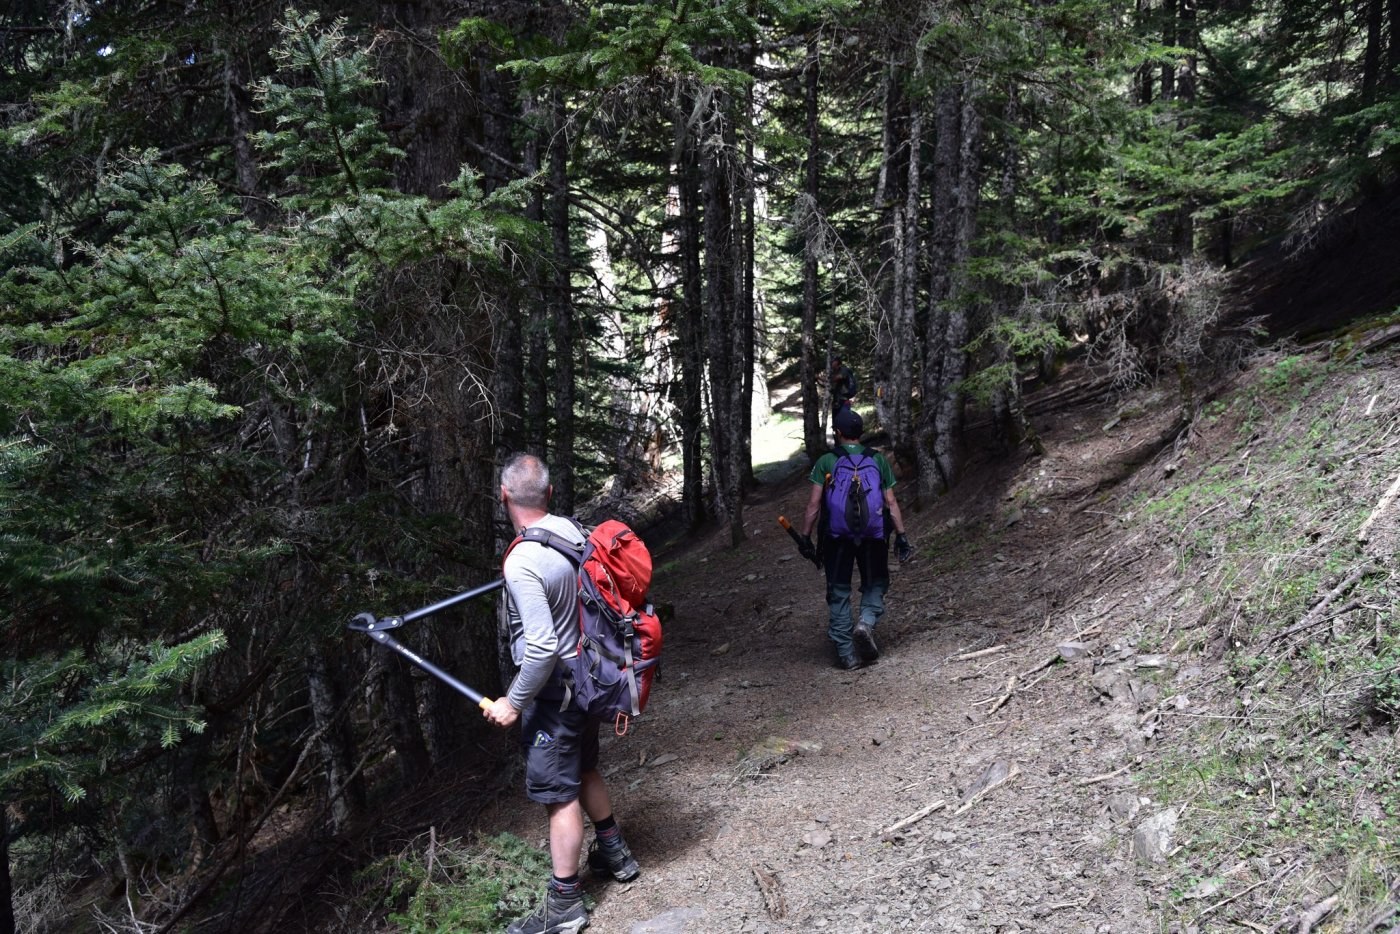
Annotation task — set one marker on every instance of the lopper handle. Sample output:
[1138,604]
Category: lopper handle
[802,545]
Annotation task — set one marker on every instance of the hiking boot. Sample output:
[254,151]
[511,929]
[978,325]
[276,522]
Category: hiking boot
[558,914]
[865,642]
[847,662]
[615,861]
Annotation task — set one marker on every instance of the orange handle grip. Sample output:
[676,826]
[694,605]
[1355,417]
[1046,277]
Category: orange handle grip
[484,703]
[782,520]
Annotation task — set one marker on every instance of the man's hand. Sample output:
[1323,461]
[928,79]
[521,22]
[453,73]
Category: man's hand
[902,548]
[808,550]
[502,713]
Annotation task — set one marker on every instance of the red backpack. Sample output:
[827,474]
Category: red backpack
[619,632]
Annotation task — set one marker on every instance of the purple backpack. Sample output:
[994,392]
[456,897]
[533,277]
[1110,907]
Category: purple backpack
[854,503]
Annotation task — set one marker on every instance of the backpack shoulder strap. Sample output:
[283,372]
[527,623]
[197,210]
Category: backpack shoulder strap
[570,550]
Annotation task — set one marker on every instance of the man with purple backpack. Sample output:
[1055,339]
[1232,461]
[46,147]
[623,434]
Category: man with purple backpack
[853,497]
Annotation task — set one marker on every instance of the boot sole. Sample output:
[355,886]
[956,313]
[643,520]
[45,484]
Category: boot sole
[865,641]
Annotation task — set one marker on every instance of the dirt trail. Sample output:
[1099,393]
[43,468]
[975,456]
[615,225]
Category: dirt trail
[759,766]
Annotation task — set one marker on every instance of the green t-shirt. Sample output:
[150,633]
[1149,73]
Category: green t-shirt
[827,462]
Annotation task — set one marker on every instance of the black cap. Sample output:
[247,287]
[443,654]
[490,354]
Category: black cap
[849,423]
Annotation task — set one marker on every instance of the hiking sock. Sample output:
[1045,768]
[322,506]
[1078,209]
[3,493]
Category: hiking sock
[568,887]
[608,833]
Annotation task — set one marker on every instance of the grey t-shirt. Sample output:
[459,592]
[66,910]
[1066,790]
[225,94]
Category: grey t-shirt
[542,609]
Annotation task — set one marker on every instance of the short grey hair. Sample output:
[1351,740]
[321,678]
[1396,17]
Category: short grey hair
[526,479]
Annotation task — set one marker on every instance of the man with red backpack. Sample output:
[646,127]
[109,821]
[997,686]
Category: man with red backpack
[853,497]
[561,741]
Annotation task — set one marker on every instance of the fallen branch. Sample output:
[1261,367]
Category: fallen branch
[1009,690]
[1085,782]
[913,819]
[991,781]
[1316,913]
[1363,534]
[982,653]
[772,889]
[1247,889]
[1316,614]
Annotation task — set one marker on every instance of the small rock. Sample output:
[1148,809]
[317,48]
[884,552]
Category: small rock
[663,759]
[1203,889]
[1153,661]
[1112,682]
[671,921]
[1153,838]
[817,839]
[724,649]
[1124,805]
[1072,651]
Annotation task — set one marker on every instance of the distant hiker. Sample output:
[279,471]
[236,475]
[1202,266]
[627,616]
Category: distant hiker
[853,495]
[842,380]
[561,745]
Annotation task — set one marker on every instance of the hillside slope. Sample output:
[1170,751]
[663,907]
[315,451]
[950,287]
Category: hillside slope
[1233,685]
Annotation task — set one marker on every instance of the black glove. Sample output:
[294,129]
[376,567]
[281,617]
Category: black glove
[901,547]
[808,550]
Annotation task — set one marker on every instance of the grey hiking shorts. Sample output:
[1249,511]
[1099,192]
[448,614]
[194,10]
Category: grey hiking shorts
[560,745]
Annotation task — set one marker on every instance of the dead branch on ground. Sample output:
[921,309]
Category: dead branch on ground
[912,819]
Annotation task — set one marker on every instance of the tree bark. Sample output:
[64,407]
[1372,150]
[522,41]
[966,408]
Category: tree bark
[1168,38]
[723,317]
[748,307]
[901,379]
[1371,60]
[949,419]
[562,310]
[1391,78]
[536,339]
[956,157]
[405,732]
[344,789]
[889,203]
[812,436]
[7,892]
[690,324]
[245,164]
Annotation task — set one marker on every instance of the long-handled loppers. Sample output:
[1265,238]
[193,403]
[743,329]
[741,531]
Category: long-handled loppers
[376,629]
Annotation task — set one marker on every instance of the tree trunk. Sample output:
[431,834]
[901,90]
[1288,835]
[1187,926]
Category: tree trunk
[1186,92]
[7,892]
[690,331]
[901,379]
[244,162]
[949,419]
[723,318]
[1169,39]
[507,351]
[956,156]
[748,308]
[1391,79]
[812,435]
[345,791]
[536,365]
[562,309]
[944,186]
[1371,60]
[405,732]
[889,203]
